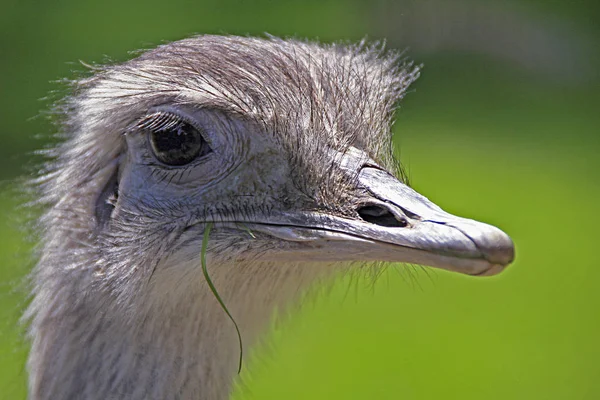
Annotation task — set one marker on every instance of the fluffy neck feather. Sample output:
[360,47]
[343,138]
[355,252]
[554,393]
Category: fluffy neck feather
[173,342]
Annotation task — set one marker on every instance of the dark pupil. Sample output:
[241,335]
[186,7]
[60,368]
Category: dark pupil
[178,145]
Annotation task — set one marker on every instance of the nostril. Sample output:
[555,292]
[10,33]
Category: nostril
[379,215]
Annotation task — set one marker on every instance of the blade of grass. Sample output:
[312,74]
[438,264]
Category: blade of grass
[249,231]
[213,289]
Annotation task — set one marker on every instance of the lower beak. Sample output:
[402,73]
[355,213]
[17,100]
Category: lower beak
[396,224]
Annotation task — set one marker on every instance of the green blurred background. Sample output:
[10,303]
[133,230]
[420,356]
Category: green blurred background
[503,126]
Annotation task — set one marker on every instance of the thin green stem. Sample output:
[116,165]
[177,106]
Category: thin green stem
[248,231]
[213,289]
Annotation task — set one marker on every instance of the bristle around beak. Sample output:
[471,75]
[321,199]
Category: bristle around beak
[396,224]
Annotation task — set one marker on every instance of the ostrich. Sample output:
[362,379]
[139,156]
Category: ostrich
[281,147]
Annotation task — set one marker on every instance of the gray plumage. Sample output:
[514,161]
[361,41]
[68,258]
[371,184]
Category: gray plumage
[295,138]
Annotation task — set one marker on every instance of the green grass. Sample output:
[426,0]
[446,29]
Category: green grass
[14,262]
[214,291]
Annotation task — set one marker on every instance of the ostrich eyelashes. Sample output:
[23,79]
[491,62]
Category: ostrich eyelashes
[173,140]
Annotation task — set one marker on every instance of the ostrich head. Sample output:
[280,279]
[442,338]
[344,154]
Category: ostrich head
[283,147]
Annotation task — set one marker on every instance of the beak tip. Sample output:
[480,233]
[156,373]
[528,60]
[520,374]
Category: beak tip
[495,245]
[500,256]
[502,252]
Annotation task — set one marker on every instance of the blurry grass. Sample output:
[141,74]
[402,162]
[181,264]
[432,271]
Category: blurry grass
[511,151]
[13,267]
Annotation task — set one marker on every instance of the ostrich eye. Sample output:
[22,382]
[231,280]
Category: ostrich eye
[177,143]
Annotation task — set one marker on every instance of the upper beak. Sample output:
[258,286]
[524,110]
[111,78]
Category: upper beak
[398,224]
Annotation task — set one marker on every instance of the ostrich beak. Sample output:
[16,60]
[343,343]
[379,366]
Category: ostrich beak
[430,235]
[397,224]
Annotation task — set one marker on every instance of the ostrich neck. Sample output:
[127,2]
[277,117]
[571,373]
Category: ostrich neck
[177,343]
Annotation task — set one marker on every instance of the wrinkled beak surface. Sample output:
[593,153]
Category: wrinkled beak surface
[397,224]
